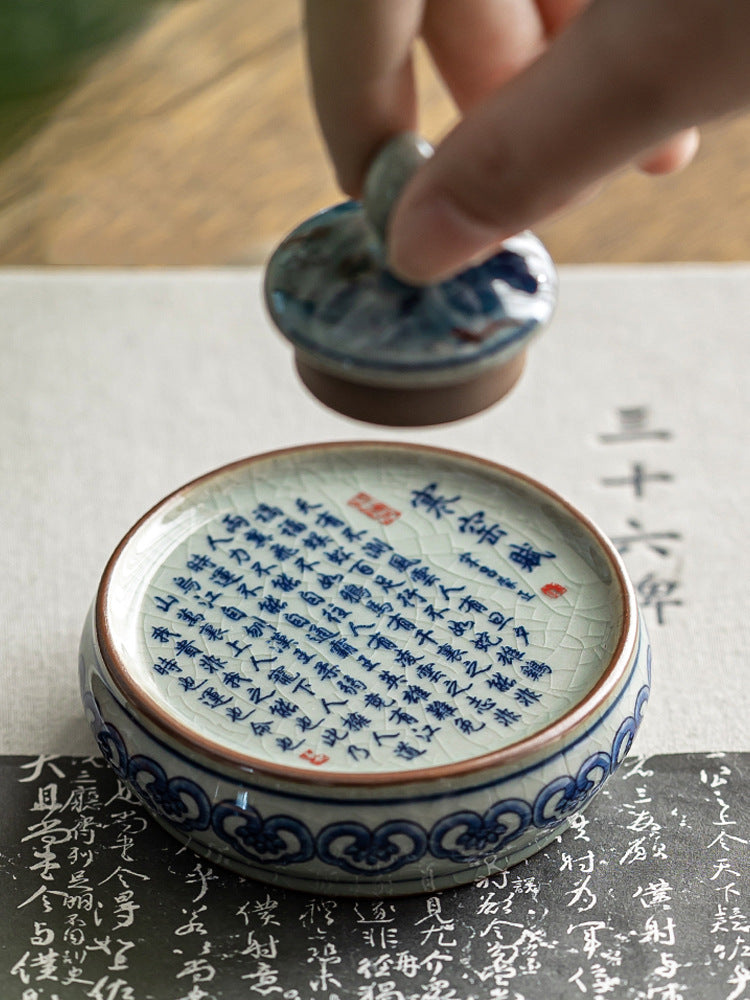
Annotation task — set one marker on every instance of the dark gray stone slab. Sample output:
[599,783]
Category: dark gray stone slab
[646,897]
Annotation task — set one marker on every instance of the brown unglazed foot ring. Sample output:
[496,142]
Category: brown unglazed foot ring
[412,407]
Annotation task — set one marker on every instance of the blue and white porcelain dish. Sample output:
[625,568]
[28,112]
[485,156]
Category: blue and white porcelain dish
[364,669]
[351,322]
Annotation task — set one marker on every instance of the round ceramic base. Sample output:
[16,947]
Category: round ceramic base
[412,406]
[364,668]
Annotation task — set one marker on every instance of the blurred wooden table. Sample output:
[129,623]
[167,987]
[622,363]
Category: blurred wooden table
[192,142]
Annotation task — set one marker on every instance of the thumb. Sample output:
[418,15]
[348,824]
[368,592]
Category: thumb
[594,101]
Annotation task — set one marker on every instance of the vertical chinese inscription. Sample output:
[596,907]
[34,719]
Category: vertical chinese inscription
[652,551]
[375,625]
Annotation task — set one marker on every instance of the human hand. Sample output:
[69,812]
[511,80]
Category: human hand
[556,95]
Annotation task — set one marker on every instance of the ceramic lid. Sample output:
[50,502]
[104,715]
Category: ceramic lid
[360,611]
[331,296]
[350,319]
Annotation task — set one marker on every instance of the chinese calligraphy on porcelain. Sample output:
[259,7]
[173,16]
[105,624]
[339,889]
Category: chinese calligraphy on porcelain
[374,625]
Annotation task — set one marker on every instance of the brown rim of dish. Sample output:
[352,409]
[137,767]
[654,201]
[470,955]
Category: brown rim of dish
[530,746]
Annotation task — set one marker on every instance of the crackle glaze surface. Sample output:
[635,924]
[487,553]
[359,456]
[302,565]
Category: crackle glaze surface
[367,611]
[329,293]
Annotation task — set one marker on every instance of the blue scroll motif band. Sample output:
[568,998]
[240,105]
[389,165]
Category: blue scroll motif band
[278,840]
[360,851]
[179,801]
[567,795]
[467,836]
[462,836]
[113,749]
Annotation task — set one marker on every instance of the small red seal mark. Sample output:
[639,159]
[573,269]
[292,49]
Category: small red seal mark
[375,509]
[554,589]
[314,758]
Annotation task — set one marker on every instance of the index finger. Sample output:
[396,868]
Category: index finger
[362,76]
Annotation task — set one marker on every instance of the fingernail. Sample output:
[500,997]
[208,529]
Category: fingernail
[430,238]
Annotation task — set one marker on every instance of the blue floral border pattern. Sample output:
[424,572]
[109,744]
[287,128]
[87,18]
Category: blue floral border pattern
[462,837]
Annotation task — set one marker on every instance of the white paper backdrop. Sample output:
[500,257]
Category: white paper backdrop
[117,387]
